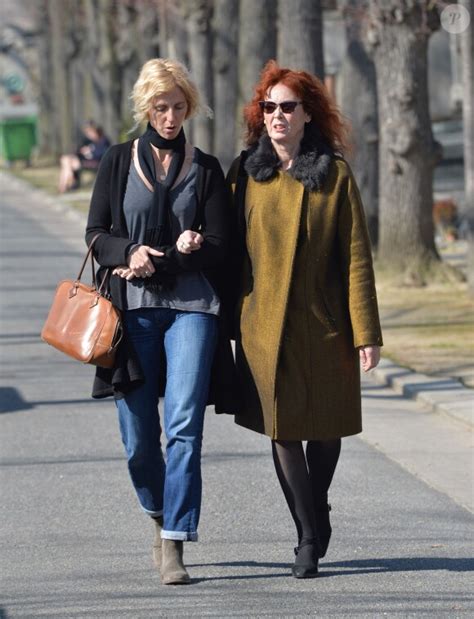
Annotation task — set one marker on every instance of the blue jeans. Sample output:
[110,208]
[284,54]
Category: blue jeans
[185,341]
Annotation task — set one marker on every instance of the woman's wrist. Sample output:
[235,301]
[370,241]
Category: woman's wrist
[130,251]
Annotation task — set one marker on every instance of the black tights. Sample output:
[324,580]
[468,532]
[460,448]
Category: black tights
[304,480]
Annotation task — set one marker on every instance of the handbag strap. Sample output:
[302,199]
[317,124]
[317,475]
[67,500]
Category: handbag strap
[91,255]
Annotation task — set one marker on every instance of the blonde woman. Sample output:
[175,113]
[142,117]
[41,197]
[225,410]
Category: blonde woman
[161,208]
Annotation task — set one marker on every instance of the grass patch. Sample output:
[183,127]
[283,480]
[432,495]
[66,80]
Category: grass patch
[429,329]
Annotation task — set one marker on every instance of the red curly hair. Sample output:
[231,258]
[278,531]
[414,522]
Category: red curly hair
[316,102]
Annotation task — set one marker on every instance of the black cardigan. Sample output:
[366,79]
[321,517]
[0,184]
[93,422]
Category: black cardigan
[106,217]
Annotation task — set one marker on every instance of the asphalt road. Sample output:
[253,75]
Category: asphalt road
[74,544]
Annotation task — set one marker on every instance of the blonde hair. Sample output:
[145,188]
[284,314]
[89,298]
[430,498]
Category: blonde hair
[157,77]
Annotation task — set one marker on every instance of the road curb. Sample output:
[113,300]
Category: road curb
[443,395]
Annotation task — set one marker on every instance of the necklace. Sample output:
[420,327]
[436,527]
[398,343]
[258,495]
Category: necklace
[159,165]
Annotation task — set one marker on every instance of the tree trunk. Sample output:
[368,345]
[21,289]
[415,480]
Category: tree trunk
[467,54]
[129,51]
[257,45]
[357,98]
[76,43]
[108,66]
[164,29]
[103,67]
[61,109]
[93,83]
[300,35]
[400,32]
[136,42]
[225,23]
[200,60]
[48,136]
[173,31]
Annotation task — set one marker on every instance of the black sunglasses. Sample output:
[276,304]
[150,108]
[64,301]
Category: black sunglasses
[287,107]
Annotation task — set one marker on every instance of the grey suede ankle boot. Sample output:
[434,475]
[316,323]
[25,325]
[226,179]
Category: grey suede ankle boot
[173,571]
[157,542]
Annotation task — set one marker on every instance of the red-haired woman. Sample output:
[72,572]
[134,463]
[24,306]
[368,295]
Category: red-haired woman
[308,309]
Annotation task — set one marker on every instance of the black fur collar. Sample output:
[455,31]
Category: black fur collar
[310,167]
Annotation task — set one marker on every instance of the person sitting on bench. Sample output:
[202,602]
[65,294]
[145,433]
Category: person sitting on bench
[87,157]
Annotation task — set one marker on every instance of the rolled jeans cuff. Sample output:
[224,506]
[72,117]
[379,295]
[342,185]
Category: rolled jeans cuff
[153,514]
[180,536]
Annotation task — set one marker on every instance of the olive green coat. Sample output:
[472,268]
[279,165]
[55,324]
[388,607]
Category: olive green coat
[308,301]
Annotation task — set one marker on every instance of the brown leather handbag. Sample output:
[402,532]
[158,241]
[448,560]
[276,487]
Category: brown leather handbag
[82,321]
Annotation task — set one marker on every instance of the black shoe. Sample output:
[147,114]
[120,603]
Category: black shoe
[324,528]
[306,562]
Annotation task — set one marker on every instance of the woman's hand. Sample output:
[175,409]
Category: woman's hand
[189,241]
[139,261]
[124,272]
[369,357]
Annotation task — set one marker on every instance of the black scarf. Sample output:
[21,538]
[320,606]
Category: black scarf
[158,229]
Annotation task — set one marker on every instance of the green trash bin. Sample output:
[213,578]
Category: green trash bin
[18,134]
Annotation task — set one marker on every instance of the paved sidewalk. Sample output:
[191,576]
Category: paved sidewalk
[74,543]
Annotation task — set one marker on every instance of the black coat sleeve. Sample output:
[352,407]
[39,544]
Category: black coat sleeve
[110,249]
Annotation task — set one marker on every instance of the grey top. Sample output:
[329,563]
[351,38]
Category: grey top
[192,291]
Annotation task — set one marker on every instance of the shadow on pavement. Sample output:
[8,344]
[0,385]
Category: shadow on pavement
[442,385]
[406,564]
[390,398]
[16,462]
[347,568]
[13,336]
[12,401]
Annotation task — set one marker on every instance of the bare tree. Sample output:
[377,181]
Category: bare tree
[257,44]
[42,77]
[136,42]
[357,97]
[225,25]
[173,35]
[75,39]
[399,34]
[96,80]
[90,52]
[57,17]
[200,55]
[300,35]
[109,68]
